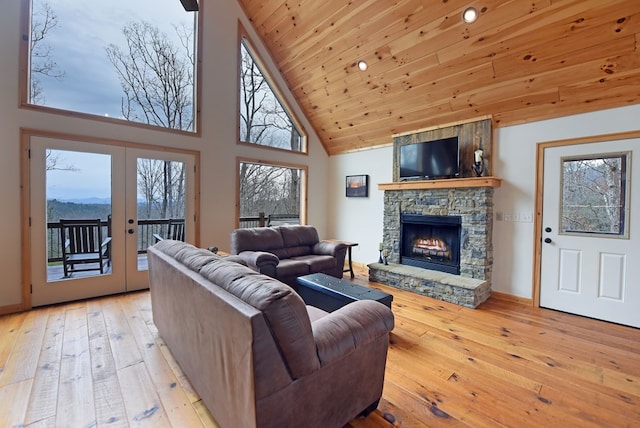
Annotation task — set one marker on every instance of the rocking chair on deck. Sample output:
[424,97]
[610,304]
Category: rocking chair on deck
[82,244]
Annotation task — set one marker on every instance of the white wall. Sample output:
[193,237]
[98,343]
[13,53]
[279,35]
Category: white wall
[360,219]
[217,143]
[515,163]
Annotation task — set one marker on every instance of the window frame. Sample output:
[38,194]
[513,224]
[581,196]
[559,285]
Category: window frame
[24,81]
[273,84]
[304,181]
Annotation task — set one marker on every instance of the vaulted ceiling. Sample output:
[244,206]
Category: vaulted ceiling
[521,61]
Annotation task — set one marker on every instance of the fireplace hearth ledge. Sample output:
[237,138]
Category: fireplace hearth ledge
[464,291]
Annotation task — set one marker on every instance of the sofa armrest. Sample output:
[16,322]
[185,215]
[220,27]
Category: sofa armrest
[329,248]
[344,330]
[260,261]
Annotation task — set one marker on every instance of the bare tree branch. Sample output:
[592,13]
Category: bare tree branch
[156,76]
[43,21]
[54,163]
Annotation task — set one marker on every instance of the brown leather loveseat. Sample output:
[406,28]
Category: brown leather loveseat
[287,252]
[256,355]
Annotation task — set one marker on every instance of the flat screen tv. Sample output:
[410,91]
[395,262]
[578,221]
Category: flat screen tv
[430,159]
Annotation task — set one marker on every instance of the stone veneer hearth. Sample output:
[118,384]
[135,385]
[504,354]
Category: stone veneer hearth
[475,206]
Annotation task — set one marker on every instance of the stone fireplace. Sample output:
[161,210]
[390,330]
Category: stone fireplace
[466,205]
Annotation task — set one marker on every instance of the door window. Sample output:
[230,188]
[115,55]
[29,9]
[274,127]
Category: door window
[160,203]
[78,187]
[594,195]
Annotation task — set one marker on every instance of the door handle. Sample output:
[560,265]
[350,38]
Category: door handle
[547,229]
[131,231]
[547,240]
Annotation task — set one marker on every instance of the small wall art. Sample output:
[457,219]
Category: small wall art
[357,186]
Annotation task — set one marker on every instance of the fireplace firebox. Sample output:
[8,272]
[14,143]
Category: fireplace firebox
[431,242]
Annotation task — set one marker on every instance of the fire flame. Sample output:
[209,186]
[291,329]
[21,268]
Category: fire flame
[431,247]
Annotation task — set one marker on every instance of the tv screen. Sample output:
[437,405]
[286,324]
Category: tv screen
[430,159]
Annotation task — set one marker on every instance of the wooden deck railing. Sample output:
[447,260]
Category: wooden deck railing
[256,221]
[262,220]
[146,229]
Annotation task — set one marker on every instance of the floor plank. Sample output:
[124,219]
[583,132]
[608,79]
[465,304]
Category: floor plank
[22,362]
[175,400]
[75,406]
[44,393]
[101,362]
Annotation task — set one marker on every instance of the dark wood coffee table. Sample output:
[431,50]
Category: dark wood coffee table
[329,293]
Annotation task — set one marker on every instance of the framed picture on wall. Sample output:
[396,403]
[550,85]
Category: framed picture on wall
[357,186]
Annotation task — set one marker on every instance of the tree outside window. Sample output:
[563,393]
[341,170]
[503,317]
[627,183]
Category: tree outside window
[594,194]
[263,118]
[87,58]
[269,189]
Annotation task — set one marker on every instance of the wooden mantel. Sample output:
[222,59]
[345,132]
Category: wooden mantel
[450,183]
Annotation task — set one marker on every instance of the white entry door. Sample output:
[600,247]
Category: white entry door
[133,193]
[590,260]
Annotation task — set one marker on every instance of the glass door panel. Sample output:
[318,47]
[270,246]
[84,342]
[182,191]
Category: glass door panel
[73,211]
[161,207]
[78,191]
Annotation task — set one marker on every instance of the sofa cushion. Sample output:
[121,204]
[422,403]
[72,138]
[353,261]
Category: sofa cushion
[288,319]
[171,247]
[297,236]
[281,253]
[318,263]
[196,258]
[300,250]
[224,273]
[192,257]
[256,239]
[284,310]
[292,267]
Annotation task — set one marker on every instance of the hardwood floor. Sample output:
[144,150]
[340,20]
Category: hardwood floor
[101,363]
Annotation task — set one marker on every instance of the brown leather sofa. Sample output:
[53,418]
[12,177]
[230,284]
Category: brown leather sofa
[287,252]
[256,355]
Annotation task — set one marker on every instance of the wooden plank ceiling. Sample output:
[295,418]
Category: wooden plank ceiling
[521,61]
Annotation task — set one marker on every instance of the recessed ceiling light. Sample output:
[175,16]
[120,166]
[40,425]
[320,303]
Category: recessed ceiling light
[470,14]
[362,65]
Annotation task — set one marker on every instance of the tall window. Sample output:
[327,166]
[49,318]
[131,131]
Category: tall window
[264,118]
[271,190]
[127,59]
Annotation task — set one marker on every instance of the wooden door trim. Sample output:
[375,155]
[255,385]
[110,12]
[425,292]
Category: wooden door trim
[539,193]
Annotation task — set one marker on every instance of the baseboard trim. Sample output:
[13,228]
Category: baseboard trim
[11,309]
[511,298]
[360,265]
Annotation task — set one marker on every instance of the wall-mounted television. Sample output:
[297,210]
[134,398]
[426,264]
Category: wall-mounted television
[430,159]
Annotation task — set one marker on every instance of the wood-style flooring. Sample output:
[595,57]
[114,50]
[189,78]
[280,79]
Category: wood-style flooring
[101,363]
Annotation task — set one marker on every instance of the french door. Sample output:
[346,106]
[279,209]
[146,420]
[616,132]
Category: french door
[132,191]
[590,231]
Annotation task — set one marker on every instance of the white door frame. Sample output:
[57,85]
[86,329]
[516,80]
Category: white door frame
[25,186]
[539,189]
